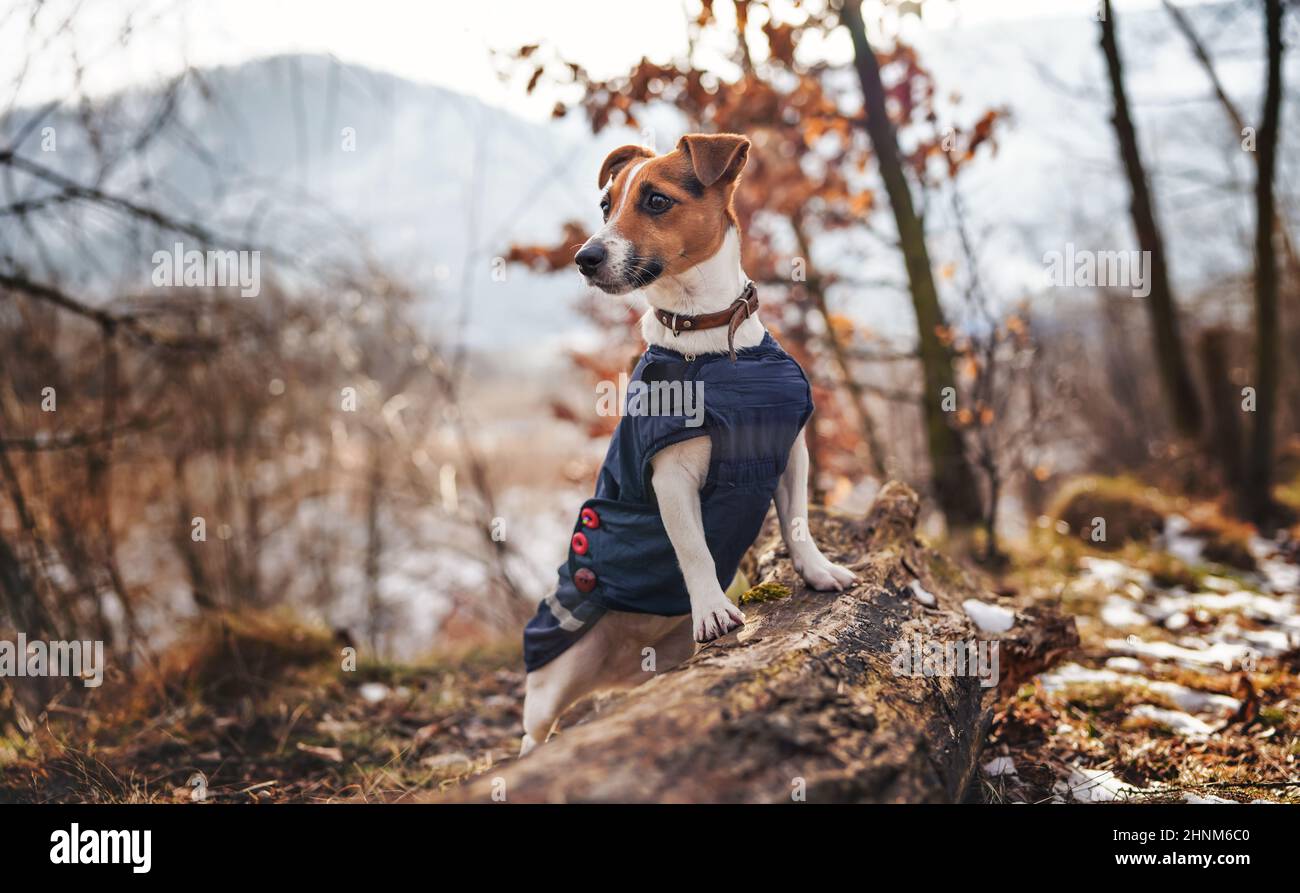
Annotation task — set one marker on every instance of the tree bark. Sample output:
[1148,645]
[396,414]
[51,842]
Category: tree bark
[805,700]
[955,488]
[1175,375]
[1224,440]
[376,615]
[1259,498]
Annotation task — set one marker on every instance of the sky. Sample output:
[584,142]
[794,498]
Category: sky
[440,42]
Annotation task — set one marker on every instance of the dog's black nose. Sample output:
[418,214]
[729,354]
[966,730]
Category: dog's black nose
[590,257]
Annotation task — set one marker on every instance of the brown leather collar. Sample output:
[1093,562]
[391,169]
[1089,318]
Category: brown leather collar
[740,310]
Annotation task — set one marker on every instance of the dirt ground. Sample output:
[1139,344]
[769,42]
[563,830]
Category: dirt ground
[1186,687]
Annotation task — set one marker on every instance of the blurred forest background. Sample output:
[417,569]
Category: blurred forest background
[380,453]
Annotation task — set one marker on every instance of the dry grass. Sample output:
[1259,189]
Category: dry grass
[1254,755]
[260,707]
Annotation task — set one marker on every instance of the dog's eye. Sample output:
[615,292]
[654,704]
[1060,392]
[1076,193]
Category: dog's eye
[604,207]
[657,203]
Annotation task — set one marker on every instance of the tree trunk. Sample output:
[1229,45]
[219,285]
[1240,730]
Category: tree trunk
[1224,439]
[1259,498]
[1175,376]
[955,488]
[376,615]
[22,606]
[809,699]
[817,291]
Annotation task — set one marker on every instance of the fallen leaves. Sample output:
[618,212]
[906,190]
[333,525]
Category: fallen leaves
[332,754]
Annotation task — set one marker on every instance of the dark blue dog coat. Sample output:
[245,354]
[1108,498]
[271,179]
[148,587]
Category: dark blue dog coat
[620,557]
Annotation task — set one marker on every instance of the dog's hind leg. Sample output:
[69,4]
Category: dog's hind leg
[674,647]
[612,655]
[644,646]
[547,691]
[550,689]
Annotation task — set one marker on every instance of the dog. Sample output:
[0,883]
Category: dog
[676,506]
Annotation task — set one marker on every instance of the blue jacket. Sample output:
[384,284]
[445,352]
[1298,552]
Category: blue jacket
[620,557]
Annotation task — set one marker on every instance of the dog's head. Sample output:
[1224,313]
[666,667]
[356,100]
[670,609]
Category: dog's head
[663,213]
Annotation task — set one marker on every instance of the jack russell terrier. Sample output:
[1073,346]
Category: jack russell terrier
[678,500]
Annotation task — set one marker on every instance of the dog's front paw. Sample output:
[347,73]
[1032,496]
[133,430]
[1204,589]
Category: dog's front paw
[715,619]
[820,573]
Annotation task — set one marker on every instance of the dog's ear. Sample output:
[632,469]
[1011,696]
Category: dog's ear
[715,156]
[618,159]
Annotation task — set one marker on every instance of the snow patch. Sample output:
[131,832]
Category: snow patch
[374,692]
[1219,584]
[1000,766]
[1282,576]
[989,618]
[922,595]
[1112,574]
[1096,786]
[1177,543]
[1201,654]
[1120,612]
[1188,699]
[1194,701]
[1176,721]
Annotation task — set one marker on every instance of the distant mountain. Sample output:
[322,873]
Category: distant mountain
[319,158]
[439,184]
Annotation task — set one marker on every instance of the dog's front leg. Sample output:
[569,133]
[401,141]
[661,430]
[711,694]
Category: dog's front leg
[678,473]
[792,509]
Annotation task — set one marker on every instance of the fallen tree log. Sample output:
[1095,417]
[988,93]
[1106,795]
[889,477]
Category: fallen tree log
[811,699]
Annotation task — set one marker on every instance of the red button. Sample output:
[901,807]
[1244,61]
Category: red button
[590,518]
[585,579]
[580,543]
